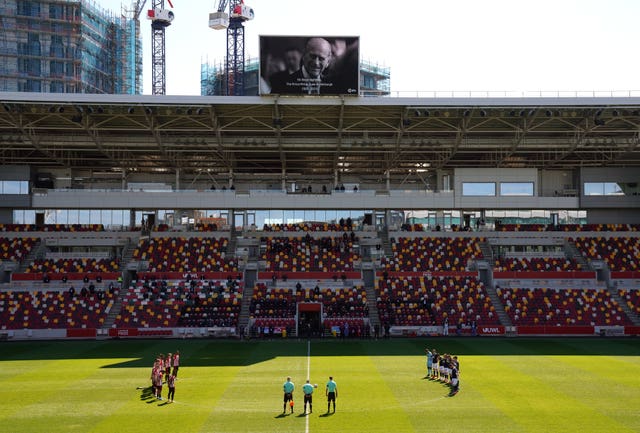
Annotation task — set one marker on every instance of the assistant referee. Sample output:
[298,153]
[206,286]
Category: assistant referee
[288,388]
[307,389]
[332,393]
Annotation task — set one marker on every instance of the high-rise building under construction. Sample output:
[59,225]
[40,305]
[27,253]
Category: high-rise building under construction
[68,46]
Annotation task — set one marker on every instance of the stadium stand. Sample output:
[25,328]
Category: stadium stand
[303,254]
[152,303]
[179,254]
[419,301]
[541,264]
[16,249]
[562,307]
[620,253]
[54,309]
[74,265]
[432,253]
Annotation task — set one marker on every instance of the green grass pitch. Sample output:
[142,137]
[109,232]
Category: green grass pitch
[507,385]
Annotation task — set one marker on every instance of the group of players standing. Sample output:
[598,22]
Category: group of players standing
[331,392]
[444,368]
[165,370]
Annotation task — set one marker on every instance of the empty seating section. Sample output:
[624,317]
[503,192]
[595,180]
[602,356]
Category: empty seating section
[342,225]
[276,306]
[272,307]
[305,254]
[51,228]
[620,253]
[16,249]
[207,227]
[598,227]
[432,254]
[272,303]
[54,309]
[521,227]
[345,308]
[542,264]
[215,304]
[195,303]
[632,299]
[83,264]
[419,301]
[562,307]
[343,302]
[567,227]
[412,228]
[178,254]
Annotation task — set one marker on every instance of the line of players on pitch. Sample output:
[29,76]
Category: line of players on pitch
[444,368]
[165,370]
[331,392]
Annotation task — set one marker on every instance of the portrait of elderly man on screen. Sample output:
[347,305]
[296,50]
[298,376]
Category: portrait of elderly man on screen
[323,69]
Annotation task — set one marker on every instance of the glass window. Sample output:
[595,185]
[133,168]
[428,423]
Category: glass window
[275,217]
[105,217]
[484,189]
[14,187]
[602,188]
[516,189]
[261,218]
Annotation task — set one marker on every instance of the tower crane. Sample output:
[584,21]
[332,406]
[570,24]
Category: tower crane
[233,21]
[160,19]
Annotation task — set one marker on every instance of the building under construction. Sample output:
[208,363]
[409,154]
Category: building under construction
[374,79]
[68,46]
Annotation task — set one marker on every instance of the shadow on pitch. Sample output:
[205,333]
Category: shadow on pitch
[452,392]
[146,394]
[212,353]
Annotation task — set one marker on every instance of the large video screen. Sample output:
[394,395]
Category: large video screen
[309,65]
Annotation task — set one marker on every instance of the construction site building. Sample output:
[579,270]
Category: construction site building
[68,46]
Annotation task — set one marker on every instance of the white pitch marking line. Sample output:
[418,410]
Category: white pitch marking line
[306,421]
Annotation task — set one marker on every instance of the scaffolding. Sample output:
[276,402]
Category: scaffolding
[213,80]
[68,46]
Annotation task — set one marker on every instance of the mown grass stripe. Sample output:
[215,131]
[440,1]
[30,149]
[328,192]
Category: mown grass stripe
[515,386]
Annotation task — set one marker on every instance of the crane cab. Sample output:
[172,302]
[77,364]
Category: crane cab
[160,16]
[242,11]
[219,20]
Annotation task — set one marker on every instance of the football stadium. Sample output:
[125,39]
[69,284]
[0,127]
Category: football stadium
[452,263]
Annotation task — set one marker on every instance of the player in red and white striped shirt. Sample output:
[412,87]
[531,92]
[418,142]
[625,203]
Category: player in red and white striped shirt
[176,363]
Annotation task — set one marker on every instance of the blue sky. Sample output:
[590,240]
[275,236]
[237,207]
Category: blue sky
[432,46]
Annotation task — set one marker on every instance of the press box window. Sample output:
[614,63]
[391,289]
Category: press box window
[517,189]
[482,189]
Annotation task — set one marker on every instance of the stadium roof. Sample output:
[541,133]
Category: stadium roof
[311,136]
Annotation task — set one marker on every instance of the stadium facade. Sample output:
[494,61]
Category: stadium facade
[442,161]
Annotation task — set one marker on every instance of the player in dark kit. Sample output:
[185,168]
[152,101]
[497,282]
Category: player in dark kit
[171,383]
[455,376]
